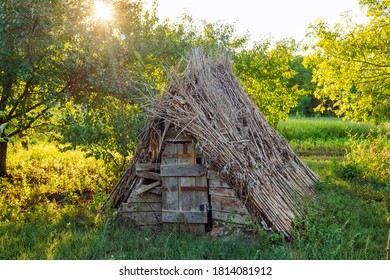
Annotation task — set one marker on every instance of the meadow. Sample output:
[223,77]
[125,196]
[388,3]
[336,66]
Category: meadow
[50,206]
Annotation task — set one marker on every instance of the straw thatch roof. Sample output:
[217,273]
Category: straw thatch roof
[206,100]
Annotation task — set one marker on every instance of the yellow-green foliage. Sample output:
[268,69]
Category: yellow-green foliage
[44,174]
[371,158]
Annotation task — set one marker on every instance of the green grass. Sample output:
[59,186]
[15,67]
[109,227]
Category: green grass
[323,136]
[50,209]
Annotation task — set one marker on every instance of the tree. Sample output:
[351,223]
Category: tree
[351,64]
[265,73]
[303,79]
[107,117]
[36,66]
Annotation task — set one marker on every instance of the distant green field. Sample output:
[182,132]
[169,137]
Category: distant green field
[322,136]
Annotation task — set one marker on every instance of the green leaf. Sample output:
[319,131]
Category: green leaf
[3,140]
[9,139]
[137,55]
[2,127]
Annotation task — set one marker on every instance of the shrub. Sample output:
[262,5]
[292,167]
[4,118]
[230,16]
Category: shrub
[369,159]
[43,174]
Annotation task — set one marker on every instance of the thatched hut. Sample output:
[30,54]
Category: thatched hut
[208,156]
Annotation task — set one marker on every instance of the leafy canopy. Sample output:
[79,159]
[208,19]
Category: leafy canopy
[265,74]
[351,64]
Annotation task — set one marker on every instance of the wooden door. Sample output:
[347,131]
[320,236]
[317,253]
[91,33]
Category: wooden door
[185,199]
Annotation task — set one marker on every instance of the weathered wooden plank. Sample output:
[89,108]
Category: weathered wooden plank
[201,197]
[156,190]
[141,207]
[214,175]
[228,204]
[230,217]
[170,195]
[179,156]
[186,188]
[222,191]
[174,139]
[193,188]
[182,170]
[144,197]
[143,218]
[185,197]
[218,183]
[191,217]
[149,175]
[147,166]
[144,188]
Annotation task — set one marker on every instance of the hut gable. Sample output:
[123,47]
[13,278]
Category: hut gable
[207,155]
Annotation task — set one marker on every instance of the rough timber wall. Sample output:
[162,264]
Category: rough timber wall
[226,207]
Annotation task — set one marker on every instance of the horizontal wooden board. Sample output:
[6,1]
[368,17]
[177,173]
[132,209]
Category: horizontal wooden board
[143,218]
[149,175]
[147,166]
[191,217]
[144,188]
[186,189]
[222,191]
[173,156]
[156,190]
[218,183]
[145,197]
[183,170]
[229,217]
[211,174]
[141,207]
[228,204]
[174,139]
[194,189]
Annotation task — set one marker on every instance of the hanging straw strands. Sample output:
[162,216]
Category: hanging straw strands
[207,101]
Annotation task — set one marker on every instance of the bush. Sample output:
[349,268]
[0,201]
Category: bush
[369,159]
[42,174]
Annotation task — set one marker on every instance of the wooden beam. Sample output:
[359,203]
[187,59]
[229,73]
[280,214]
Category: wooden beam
[147,166]
[183,170]
[221,191]
[228,204]
[144,197]
[141,207]
[143,218]
[191,217]
[144,188]
[149,175]
[211,174]
[156,190]
[218,183]
[178,139]
[226,216]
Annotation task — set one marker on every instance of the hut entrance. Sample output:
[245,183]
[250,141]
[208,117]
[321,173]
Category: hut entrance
[185,197]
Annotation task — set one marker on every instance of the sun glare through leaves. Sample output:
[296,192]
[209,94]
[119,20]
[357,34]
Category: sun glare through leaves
[103,11]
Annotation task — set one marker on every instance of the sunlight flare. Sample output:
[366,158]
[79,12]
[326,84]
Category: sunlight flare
[103,11]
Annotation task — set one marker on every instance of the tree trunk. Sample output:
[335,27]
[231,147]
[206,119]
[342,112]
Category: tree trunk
[3,159]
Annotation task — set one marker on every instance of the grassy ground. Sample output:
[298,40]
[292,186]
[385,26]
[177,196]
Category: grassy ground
[323,136]
[49,209]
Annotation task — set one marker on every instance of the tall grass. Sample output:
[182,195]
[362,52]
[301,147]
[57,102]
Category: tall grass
[324,136]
